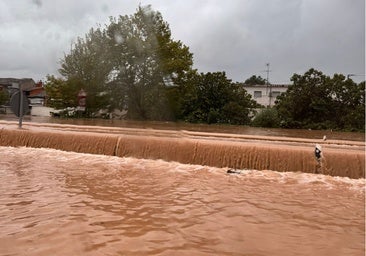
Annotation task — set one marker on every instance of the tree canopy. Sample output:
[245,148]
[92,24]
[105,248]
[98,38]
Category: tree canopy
[213,98]
[130,62]
[254,80]
[317,101]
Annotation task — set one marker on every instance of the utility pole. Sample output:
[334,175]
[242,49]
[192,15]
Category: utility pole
[269,85]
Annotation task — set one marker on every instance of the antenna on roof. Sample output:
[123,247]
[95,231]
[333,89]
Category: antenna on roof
[267,71]
[268,85]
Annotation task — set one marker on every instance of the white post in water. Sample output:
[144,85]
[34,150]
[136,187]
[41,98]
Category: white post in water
[20,106]
[319,157]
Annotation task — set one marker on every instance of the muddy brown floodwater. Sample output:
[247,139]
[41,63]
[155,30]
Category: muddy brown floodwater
[123,199]
[232,129]
[64,203]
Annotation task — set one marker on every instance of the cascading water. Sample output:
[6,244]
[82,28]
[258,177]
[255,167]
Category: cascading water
[339,158]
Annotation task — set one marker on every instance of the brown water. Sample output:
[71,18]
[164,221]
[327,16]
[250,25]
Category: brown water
[232,129]
[63,203]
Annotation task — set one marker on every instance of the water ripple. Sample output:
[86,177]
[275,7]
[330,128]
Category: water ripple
[97,205]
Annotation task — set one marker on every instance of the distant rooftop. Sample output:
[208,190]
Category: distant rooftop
[26,83]
[265,85]
[8,81]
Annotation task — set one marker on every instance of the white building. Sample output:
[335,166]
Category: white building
[266,94]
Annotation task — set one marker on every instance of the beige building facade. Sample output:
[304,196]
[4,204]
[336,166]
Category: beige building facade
[266,94]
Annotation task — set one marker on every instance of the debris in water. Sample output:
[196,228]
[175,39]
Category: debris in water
[318,156]
[318,152]
[233,171]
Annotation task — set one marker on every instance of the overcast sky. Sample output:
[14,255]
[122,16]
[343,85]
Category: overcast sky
[235,36]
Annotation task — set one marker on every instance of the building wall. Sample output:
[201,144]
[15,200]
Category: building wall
[41,111]
[261,93]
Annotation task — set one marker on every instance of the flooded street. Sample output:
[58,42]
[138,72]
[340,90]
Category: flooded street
[63,203]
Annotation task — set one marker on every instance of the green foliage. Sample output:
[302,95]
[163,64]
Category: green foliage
[317,101]
[4,97]
[212,98]
[267,118]
[128,63]
[254,80]
[61,93]
[133,64]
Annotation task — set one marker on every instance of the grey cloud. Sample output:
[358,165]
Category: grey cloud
[236,36]
[38,3]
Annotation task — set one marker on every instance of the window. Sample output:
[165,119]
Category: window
[275,94]
[257,94]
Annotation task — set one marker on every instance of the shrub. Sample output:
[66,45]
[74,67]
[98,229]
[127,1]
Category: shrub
[267,118]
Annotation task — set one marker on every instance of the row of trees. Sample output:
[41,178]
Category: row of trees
[317,101]
[134,64]
[127,64]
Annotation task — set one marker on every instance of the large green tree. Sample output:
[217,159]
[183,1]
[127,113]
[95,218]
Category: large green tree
[132,61]
[348,103]
[146,59]
[315,100]
[61,93]
[88,64]
[213,98]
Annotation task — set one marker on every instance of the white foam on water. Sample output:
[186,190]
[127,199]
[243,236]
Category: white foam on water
[298,177]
